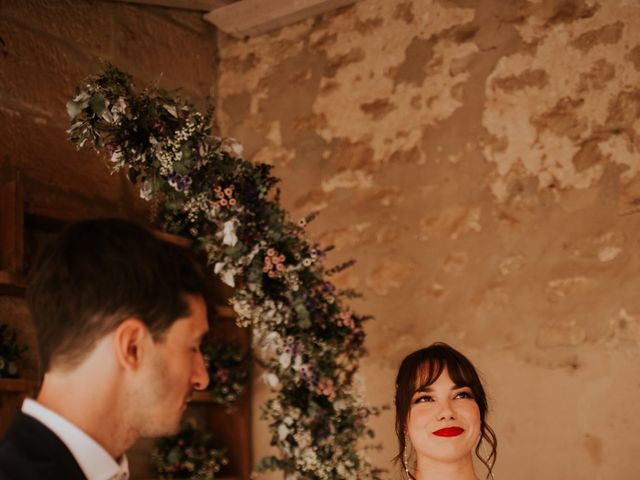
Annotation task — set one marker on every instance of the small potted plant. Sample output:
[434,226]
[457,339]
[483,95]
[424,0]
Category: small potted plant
[10,352]
[189,454]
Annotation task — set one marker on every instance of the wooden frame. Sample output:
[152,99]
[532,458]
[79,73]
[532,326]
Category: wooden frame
[244,18]
[254,17]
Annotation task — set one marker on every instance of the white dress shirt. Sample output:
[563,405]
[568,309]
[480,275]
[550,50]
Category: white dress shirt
[94,461]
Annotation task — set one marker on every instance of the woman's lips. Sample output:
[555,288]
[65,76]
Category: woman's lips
[449,432]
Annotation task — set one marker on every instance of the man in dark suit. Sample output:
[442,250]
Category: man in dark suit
[119,317]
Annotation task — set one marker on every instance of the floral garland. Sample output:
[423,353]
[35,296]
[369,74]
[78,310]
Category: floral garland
[10,352]
[188,455]
[228,371]
[201,187]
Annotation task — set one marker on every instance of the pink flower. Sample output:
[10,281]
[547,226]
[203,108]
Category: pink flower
[271,252]
[280,267]
[228,191]
[232,201]
[223,202]
[222,375]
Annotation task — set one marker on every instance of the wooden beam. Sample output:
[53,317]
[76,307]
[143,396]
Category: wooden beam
[12,226]
[198,5]
[254,17]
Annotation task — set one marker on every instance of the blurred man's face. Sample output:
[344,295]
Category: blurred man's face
[174,369]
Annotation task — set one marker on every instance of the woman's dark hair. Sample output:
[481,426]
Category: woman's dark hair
[96,273]
[422,368]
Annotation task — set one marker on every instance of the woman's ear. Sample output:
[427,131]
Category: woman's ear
[130,338]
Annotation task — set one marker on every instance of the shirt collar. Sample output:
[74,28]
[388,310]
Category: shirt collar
[93,459]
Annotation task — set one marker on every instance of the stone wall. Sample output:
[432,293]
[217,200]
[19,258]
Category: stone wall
[480,161]
[46,49]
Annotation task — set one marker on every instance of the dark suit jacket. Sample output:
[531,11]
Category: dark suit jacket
[30,451]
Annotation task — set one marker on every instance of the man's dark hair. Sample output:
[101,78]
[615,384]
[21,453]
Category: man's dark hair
[95,274]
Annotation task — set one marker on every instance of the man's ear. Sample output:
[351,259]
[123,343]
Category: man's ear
[130,339]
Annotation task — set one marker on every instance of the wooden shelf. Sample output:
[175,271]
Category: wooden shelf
[203,397]
[12,283]
[171,238]
[18,385]
[225,311]
[207,397]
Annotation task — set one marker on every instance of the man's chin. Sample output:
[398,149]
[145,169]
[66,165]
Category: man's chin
[164,430]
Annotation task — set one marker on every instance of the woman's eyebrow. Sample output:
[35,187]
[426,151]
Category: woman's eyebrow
[424,388]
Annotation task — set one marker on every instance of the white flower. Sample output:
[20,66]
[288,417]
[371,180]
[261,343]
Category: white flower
[283,431]
[226,275]
[227,278]
[146,190]
[237,148]
[229,232]
[271,379]
[116,156]
[285,359]
[297,363]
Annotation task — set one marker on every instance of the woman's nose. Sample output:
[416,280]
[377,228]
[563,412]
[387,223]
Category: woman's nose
[446,411]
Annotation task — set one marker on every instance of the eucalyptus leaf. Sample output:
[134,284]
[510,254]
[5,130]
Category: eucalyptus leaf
[304,318]
[236,251]
[74,108]
[97,104]
[171,109]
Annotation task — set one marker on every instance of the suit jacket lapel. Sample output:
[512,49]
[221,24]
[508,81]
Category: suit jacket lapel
[49,456]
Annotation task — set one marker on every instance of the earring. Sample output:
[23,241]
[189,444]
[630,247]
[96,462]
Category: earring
[405,457]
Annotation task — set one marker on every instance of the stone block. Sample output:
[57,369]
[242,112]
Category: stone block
[84,24]
[39,73]
[59,178]
[154,48]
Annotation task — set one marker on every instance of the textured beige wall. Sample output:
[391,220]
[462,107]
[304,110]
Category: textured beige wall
[480,161]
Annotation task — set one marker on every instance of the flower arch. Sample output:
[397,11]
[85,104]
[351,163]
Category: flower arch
[200,187]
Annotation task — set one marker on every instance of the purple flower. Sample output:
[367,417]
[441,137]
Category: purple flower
[180,182]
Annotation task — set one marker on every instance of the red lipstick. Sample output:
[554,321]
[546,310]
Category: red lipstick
[449,432]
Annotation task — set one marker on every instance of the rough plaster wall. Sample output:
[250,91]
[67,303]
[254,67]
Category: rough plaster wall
[479,160]
[46,48]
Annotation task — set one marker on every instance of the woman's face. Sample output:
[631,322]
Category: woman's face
[444,421]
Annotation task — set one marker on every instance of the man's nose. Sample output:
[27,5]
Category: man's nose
[200,375]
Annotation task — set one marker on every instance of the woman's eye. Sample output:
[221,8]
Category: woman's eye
[463,395]
[423,399]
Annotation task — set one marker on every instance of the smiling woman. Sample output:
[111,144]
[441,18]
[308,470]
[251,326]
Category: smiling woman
[441,410]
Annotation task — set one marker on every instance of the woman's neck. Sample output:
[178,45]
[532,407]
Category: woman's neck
[429,469]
